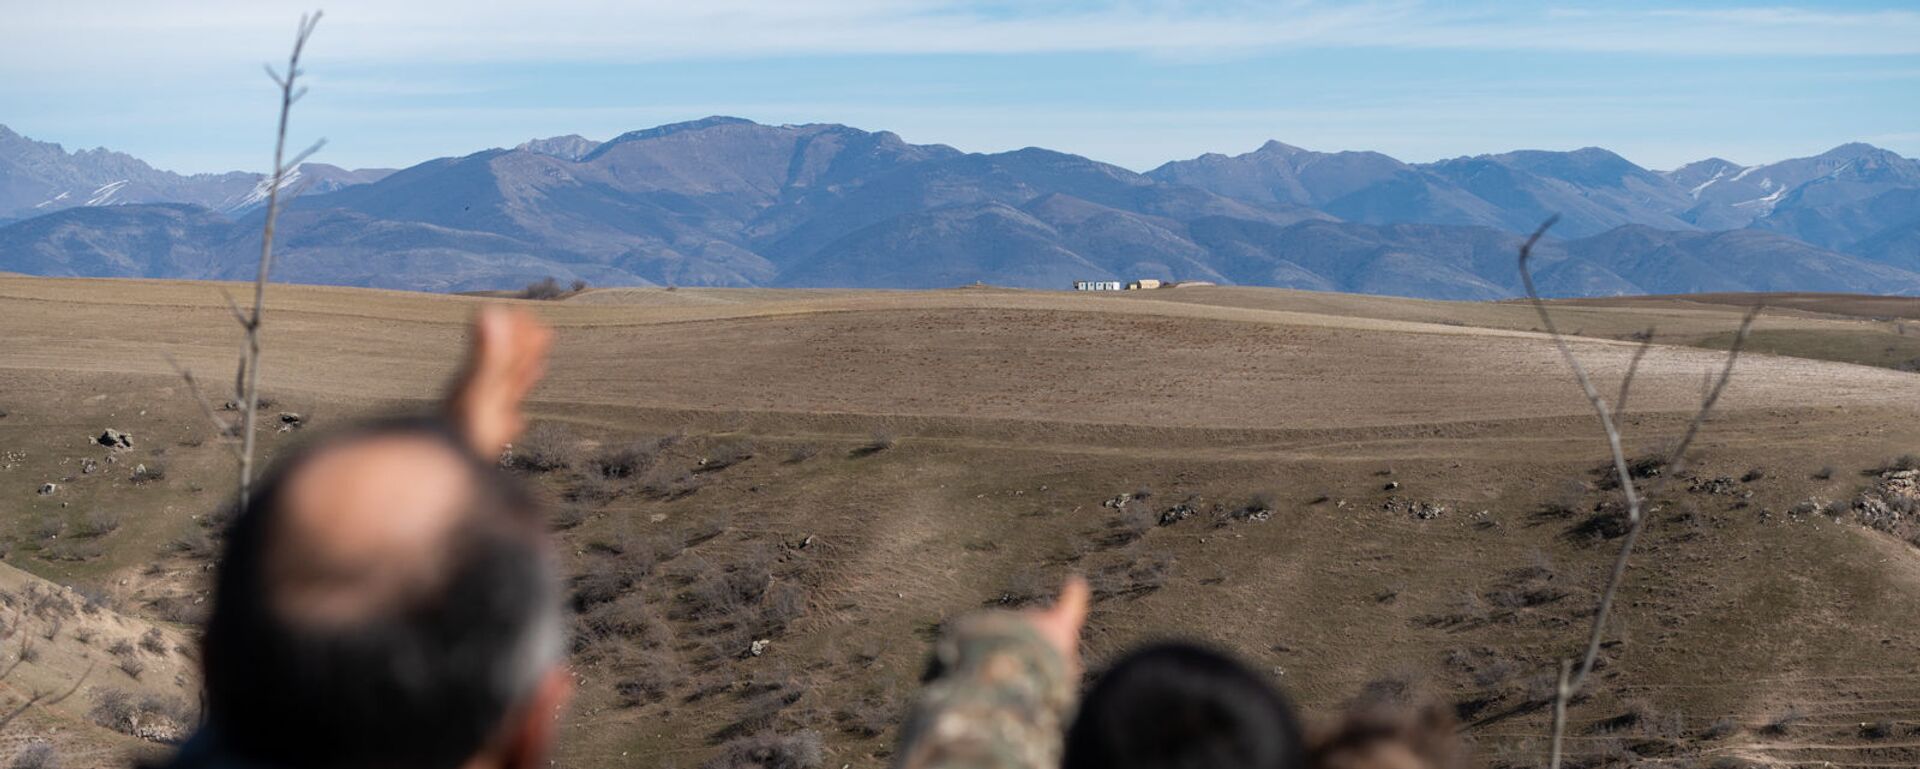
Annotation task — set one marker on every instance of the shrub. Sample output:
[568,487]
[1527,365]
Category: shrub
[132,666]
[727,455]
[667,483]
[882,439]
[1902,462]
[98,523]
[802,453]
[871,714]
[153,641]
[546,447]
[145,474]
[121,648]
[627,460]
[1141,575]
[1825,473]
[646,678]
[36,754]
[1878,730]
[768,750]
[1721,728]
[1754,475]
[153,717]
[629,618]
[193,543]
[543,289]
[1783,722]
[566,517]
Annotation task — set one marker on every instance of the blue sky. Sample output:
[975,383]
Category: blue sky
[1135,83]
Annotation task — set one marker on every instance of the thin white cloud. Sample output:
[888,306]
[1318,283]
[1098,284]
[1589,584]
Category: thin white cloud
[50,37]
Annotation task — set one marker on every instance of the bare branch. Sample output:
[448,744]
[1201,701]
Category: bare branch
[238,316]
[1633,367]
[249,372]
[1572,678]
[40,698]
[193,387]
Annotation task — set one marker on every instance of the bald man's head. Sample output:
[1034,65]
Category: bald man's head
[386,600]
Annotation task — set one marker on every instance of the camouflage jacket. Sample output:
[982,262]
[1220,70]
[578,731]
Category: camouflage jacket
[1000,699]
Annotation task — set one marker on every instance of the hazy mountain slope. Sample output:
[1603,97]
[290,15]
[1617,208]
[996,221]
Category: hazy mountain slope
[41,177]
[728,202]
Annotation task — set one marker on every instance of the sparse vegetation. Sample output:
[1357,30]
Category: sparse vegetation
[35,754]
[769,750]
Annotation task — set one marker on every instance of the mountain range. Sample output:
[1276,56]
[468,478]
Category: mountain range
[728,202]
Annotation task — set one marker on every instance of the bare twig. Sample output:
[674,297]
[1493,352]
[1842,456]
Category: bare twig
[200,398]
[40,698]
[1633,367]
[248,378]
[1573,678]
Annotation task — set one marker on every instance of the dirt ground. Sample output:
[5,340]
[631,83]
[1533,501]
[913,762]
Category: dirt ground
[1011,419]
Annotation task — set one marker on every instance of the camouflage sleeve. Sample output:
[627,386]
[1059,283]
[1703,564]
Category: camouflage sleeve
[1001,701]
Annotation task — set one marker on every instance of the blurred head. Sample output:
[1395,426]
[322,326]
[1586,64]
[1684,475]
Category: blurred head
[1393,724]
[385,600]
[1178,706]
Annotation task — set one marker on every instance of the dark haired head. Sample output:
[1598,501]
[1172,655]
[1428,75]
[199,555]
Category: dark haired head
[1179,706]
[385,600]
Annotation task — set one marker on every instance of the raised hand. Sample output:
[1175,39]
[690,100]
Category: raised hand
[508,357]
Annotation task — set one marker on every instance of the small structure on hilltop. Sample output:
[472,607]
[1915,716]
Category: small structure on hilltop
[1098,285]
[1144,284]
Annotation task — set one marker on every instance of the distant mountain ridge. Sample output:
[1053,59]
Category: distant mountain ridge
[729,202]
[41,177]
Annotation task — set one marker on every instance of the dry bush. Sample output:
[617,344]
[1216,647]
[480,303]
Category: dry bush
[150,717]
[630,619]
[36,754]
[145,474]
[153,641]
[627,460]
[1896,464]
[1825,473]
[566,516]
[871,714]
[1783,722]
[802,453]
[546,446]
[609,579]
[121,647]
[1130,522]
[193,544]
[1721,728]
[180,610]
[98,523]
[546,288]
[591,488]
[1137,576]
[882,439]
[664,482]
[727,455]
[642,677]
[132,666]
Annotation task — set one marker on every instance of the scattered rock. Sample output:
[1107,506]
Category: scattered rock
[88,465]
[114,439]
[758,648]
[1118,501]
[291,421]
[1391,486]
[1717,485]
[48,488]
[1425,511]
[1176,514]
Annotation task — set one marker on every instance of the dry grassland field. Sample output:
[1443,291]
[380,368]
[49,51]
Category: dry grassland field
[1339,488]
